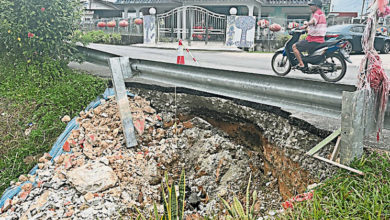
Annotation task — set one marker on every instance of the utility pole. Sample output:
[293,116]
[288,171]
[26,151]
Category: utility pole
[331,5]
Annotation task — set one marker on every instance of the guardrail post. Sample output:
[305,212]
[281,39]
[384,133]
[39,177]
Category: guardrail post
[120,69]
[357,122]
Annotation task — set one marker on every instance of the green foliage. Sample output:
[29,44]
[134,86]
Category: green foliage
[182,193]
[155,214]
[38,30]
[98,37]
[173,204]
[347,196]
[283,38]
[236,209]
[40,94]
[303,37]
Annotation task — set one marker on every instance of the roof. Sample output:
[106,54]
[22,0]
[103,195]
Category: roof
[344,14]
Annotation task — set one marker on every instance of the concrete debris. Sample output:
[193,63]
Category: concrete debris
[99,178]
[92,178]
[65,119]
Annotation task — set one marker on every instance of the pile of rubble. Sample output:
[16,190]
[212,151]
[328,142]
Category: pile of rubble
[98,177]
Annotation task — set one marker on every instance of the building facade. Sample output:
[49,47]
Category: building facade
[280,11]
[203,20]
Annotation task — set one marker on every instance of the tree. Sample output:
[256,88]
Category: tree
[37,30]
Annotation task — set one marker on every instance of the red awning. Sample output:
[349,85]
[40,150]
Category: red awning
[344,14]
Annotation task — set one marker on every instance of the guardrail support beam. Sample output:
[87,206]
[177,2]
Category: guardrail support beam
[357,121]
[120,69]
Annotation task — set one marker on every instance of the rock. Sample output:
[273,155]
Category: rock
[125,196]
[87,213]
[95,201]
[97,110]
[89,196]
[222,192]
[40,202]
[155,180]
[104,160]
[69,213]
[76,133]
[95,177]
[60,212]
[115,132]
[66,147]
[66,119]
[139,125]
[60,159]
[68,163]
[194,200]
[15,200]
[188,124]
[88,150]
[149,110]
[32,179]
[23,178]
[27,187]
[23,195]
[6,206]
[41,165]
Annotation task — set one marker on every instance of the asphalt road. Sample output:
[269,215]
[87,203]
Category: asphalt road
[238,61]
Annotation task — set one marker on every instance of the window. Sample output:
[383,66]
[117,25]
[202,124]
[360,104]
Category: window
[358,29]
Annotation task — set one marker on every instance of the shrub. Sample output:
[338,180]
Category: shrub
[174,203]
[38,29]
[283,38]
[98,37]
[237,211]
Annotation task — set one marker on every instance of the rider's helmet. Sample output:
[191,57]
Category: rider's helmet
[317,3]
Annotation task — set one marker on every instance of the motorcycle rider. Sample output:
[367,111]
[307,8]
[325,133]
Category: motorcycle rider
[316,32]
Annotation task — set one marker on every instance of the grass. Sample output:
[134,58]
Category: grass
[33,99]
[348,196]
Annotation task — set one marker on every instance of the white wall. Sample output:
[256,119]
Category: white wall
[348,6]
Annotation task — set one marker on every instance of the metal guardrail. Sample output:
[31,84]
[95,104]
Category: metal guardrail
[96,56]
[319,98]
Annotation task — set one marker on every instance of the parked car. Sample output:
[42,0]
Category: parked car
[353,33]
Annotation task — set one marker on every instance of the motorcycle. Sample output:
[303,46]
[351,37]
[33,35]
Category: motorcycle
[328,59]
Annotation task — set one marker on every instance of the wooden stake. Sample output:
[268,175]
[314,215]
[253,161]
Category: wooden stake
[336,149]
[339,165]
[324,142]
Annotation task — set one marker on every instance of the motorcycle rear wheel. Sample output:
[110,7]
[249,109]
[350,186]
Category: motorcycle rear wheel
[341,68]
[280,64]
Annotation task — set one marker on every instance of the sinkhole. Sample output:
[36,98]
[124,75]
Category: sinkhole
[236,139]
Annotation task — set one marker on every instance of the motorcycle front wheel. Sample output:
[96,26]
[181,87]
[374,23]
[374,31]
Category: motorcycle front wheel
[280,64]
[339,66]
